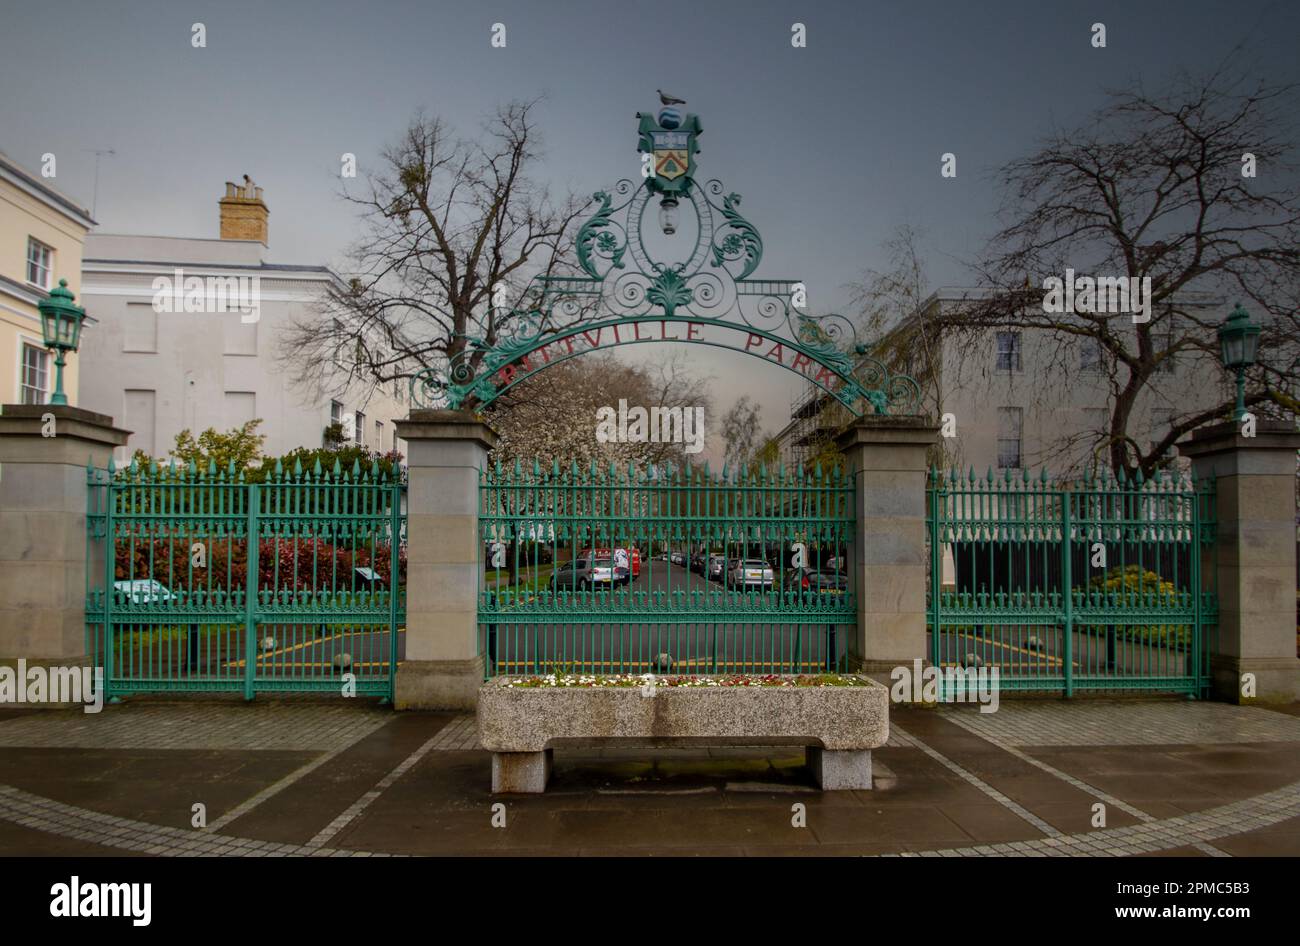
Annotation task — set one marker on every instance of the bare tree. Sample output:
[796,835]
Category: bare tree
[454,229]
[890,298]
[552,415]
[742,432]
[1154,187]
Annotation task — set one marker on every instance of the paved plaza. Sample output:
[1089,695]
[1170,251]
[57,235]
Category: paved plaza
[354,779]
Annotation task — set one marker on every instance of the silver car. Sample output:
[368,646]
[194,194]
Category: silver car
[751,573]
[717,567]
[585,573]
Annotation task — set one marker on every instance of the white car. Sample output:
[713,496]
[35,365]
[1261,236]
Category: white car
[751,573]
[143,591]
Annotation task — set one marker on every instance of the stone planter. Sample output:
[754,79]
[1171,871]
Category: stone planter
[840,725]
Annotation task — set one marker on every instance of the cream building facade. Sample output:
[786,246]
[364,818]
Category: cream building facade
[42,232]
[189,338]
[1020,398]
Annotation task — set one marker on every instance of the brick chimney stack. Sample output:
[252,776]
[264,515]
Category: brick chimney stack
[243,212]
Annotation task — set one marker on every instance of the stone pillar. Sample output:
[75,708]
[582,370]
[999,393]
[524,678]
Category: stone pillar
[44,450]
[887,458]
[443,667]
[1254,557]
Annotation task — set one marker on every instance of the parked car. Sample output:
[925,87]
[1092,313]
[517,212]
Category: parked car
[751,573]
[585,573]
[677,558]
[836,564]
[717,567]
[814,581]
[143,591]
[627,562]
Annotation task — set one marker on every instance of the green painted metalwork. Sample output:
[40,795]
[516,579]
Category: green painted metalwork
[623,283]
[669,137]
[202,581]
[534,617]
[1093,584]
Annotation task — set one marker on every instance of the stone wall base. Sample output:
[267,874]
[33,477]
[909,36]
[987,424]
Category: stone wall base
[438,684]
[843,770]
[1277,679]
[525,773]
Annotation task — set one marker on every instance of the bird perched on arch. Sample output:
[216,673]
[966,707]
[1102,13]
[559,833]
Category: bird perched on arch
[666,99]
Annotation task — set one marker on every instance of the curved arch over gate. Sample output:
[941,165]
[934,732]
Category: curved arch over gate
[626,287]
[869,381]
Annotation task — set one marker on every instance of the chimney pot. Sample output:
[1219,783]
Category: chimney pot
[244,213]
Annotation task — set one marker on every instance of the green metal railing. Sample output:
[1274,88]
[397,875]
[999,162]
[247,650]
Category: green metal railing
[198,580]
[536,616]
[1098,584]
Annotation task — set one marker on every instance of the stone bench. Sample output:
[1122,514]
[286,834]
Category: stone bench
[839,725]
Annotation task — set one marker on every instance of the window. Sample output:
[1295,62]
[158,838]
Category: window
[361,428]
[140,416]
[34,385]
[338,340]
[40,264]
[336,412]
[1008,351]
[140,330]
[1010,420]
[1097,420]
[379,435]
[240,337]
[1162,419]
[240,407]
[1090,355]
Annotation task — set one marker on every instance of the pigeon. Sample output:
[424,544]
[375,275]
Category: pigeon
[667,99]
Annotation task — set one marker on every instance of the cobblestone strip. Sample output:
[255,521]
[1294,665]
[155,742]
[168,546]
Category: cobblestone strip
[459,734]
[219,726]
[364,802]
[1012,806]
[1127,723]
[1104,797]
[92,827]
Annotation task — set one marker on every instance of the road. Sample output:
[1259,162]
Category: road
[670,619]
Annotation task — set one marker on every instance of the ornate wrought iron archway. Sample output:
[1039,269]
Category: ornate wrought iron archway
[623,290]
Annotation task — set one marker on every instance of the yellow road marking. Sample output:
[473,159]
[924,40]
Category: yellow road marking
[1042,657]
[305,644]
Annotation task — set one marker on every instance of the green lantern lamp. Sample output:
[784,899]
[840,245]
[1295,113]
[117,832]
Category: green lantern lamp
[1238,346]
[61,320]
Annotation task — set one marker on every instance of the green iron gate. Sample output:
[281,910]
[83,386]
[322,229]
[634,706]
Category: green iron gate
[200,581]
[779,602]
[1097,584]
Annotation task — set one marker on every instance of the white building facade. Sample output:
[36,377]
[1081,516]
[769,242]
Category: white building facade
[158,366]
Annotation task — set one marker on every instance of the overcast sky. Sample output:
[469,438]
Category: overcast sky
[833,146]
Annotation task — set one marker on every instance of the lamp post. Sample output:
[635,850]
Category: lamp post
[1238,345]
[61,322]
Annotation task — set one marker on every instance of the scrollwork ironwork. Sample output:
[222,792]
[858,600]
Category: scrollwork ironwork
[621,280]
